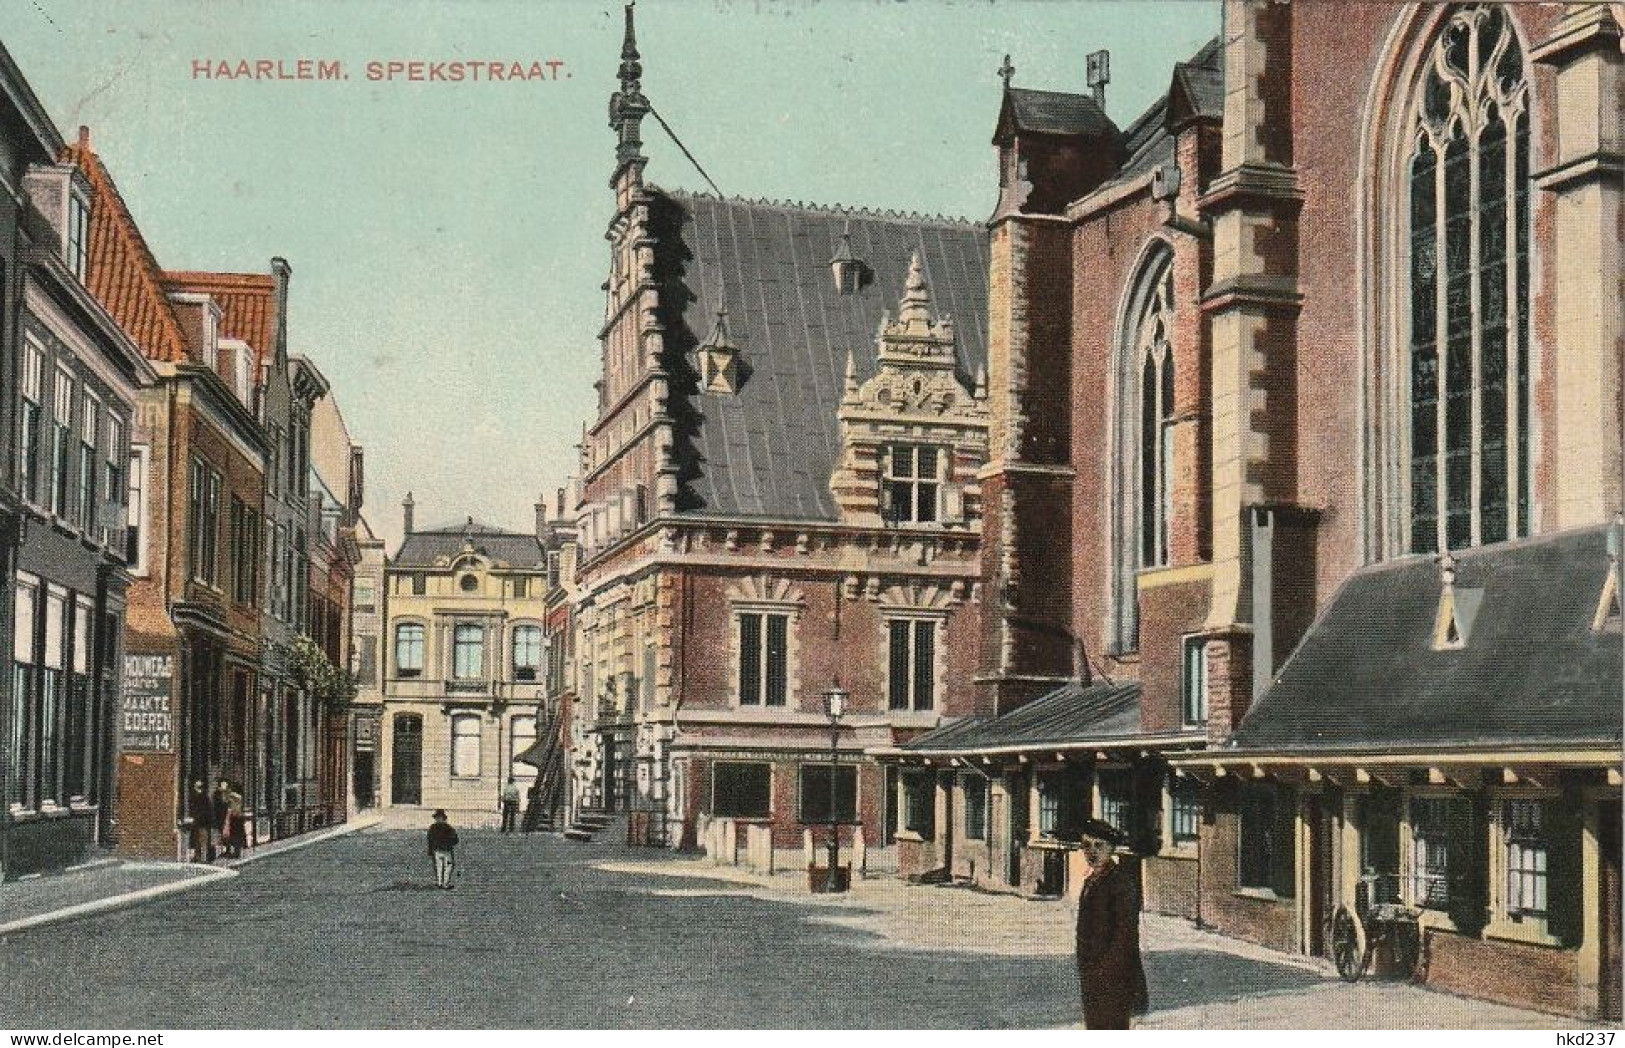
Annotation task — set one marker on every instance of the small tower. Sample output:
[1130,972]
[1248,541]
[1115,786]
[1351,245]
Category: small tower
[628,106]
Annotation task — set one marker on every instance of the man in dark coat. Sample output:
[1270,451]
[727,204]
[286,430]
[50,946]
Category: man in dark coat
[442,849]
[1110,973]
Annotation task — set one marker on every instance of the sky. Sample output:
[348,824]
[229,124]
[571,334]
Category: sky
[447,239]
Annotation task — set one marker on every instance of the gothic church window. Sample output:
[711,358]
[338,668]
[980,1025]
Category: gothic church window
[1468,296]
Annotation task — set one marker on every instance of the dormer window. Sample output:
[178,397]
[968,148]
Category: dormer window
[78,235]
[913,475]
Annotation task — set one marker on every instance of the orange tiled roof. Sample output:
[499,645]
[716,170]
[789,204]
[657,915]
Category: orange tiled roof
[122,272]
[247,300]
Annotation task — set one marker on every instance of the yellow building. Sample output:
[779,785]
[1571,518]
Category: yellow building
[464,668]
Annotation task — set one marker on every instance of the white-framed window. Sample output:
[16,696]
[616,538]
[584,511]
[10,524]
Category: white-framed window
[764,658]
[465,745]
[1156,364]
[61,441]
[913,477]
[920,804]
[911,663]
[468,651]
[90,424]
[1440,846]
[113,476]
[204,504]
[1526,840]
[52,696]
[78,236]
[527,652]
[135,528]
[30,423]
[23,762]
[1193,683]
[1116,789]
[1465,209]
[409,649]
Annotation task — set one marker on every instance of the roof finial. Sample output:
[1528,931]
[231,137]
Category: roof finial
[631,68]
[628,105]
[851,374]
[1007,72]
[916,303]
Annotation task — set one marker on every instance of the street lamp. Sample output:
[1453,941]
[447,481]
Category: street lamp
[834,706]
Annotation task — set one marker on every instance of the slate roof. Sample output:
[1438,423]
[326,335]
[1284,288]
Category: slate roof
[1096,713]
[1198,83]
[767,450]
[1532,673]
[1057,113]
[121,271]
[514,549]
[247,301]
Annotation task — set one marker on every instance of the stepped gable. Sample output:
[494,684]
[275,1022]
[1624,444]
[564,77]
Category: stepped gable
[767,449]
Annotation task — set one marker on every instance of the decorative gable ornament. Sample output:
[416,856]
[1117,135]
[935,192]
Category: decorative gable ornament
[915,399]
[718,359]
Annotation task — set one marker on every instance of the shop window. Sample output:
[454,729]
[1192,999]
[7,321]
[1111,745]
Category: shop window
[1528,857]
[1265,862]
[1117,799]
[975,807]
[815,793]
[1185,809]
[1441,850]
[920,804]
[742,790]
[1193,682]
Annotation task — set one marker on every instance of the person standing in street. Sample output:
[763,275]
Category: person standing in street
[442,849]
[199,818]
[1111,975]
[236,832]
[510,806]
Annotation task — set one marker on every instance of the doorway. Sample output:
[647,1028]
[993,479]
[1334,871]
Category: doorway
[1018,828]
[1608,910]
[364,797]
[1322,876]
[406,762]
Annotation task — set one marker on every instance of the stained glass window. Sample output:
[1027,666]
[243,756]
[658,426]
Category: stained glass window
[1469,289]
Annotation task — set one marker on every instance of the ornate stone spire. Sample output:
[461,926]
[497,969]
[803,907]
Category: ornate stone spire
[915,338]
[628,105]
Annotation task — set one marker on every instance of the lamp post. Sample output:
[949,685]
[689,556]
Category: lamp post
[834,705]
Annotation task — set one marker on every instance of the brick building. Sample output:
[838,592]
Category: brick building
[72,378]
[369,611]
[1304,564]
[779,494]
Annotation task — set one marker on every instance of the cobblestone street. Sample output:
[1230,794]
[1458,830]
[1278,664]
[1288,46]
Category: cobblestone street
[543,933]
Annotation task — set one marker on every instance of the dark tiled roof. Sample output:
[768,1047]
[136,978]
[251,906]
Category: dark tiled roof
[422,548]
[768,449]
[1197,87]
[1532,673]
[1072,713]
[1057,113]
[121,270]
[247,301]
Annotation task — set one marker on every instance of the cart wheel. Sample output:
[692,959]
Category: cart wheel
[1348,945]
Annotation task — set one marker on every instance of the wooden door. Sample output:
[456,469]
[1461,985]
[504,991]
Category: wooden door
[406,760]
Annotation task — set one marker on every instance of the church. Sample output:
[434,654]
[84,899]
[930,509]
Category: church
[1303,494]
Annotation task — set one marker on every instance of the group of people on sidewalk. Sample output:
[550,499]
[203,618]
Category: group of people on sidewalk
[214,822]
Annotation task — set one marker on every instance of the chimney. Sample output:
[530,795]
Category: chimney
[84,138]
[541,518]
[559,504]
[1099,66]
[406,513]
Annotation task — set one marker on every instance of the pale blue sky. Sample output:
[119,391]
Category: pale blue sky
[447,239]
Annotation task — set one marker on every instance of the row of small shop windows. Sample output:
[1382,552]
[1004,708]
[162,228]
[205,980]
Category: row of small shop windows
[469,644]
[57,748]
